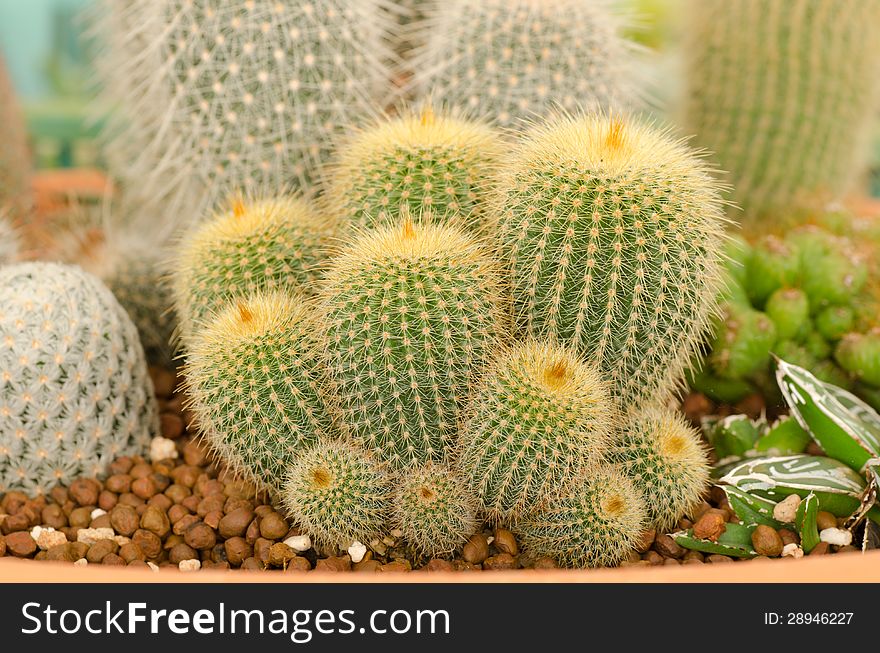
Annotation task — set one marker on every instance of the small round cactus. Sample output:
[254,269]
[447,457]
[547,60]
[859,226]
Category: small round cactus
[834,322]
[74,388]
[255,380]
[615,237]
[859,354]
[743,342]
[665,459]
[594,521]
[411,312]
[256,245]
[423,163]
[338,493]
[789,308]
[773,264]
[434,508]
[539,416]
[9,245]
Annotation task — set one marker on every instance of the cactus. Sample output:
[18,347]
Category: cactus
[594,521]
[614,233]
[773,264]
[338,493]
[423,163]
[9,242]
[665,459]
[513,59]
[859,354]
[434,509]
[411,312]
[539,416]
[74,391]
[789,309]
[783,92]
[255,381]
[15,166]
[224,96]
[834,322]
[256,245]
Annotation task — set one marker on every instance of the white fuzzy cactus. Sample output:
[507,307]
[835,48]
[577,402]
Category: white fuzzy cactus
[513,59]
[74,388]
[9,244]
[247,96]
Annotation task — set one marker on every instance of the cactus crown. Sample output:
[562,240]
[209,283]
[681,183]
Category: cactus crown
[615,236]
[421,162]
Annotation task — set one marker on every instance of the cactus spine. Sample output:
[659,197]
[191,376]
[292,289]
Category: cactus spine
[255,379]
[614,233]
[411,312]
[74,388]
[784,93]
[514,59]
[420,163]
[538,418]
[665,459]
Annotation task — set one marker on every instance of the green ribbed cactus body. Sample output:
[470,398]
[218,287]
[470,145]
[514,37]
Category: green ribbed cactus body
[614,233]
[411,312]
[538,418]
[15,158]
[255,379]
[784,93]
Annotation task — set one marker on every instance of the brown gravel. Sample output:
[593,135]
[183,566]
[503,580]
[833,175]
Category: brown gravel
[767,541]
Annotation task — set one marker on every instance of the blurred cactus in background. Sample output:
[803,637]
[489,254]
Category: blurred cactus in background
[15,158]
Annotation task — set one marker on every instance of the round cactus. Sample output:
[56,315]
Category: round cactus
[834,322]
[615,237]
[338,493]
[594,521]
[514,59]
[254,246]
[74,391]
[417,162]
[773,264]
[539,416]
[789,309]
[743,342]
[434,508]
[665,459]
[411,312]
[859,354]
[255,381]
[834,277]
[9,245]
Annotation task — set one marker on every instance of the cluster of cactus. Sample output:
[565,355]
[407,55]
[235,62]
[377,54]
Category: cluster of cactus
[14,154]
[804,297]
[784,93]
[510,60]
[74,391]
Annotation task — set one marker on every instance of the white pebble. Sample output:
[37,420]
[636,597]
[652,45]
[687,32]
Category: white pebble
[837,536]
[189,565]
[786,510]
[490,539]
[91,535]
[97,512]
[121,540]
[36,530]
[299,542]
[162,448]
[46,537]
[357,551]
[792,550]
[82,562]
[153,566]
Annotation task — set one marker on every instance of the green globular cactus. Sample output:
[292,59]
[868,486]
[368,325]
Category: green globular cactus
[434,509]
[512,59]
[338,493]
[664,457]
[253,246]
[743,342]
[859,354]
[9,242]
[789,309]
[773,264]
[614,233]
[256,381]
[594,521]
[834,322]
[15,159]
[414,164]
[539,416]
[74,388]
[411,313]
[783,92]
[836,277]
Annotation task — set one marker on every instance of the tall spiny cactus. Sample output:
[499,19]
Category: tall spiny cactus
[614,233]
[783,92]
[411,312]
[512,59]
[15,164]
[74,390]
[417,162]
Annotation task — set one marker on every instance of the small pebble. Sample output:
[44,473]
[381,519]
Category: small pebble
[189,565]
[357,551]
[476,550]
[162,448]
[767,541]
[710,526]
[299,542]
[82,562]
[98,512]
[92,535]
[786,510]
[836,536]
[792,551]
[825,520]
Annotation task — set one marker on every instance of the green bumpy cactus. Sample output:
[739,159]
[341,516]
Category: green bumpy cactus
[414,164]
[338,493]
[74,388]
[538,418]
[513,59]
[254,246]
[411,313]
[255,379]
[615,235]
[9,242]
[594,521]
[789,308]
[773,264]
[15,167]
[784,93]
[859,354]
[434,509]
[664,457]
